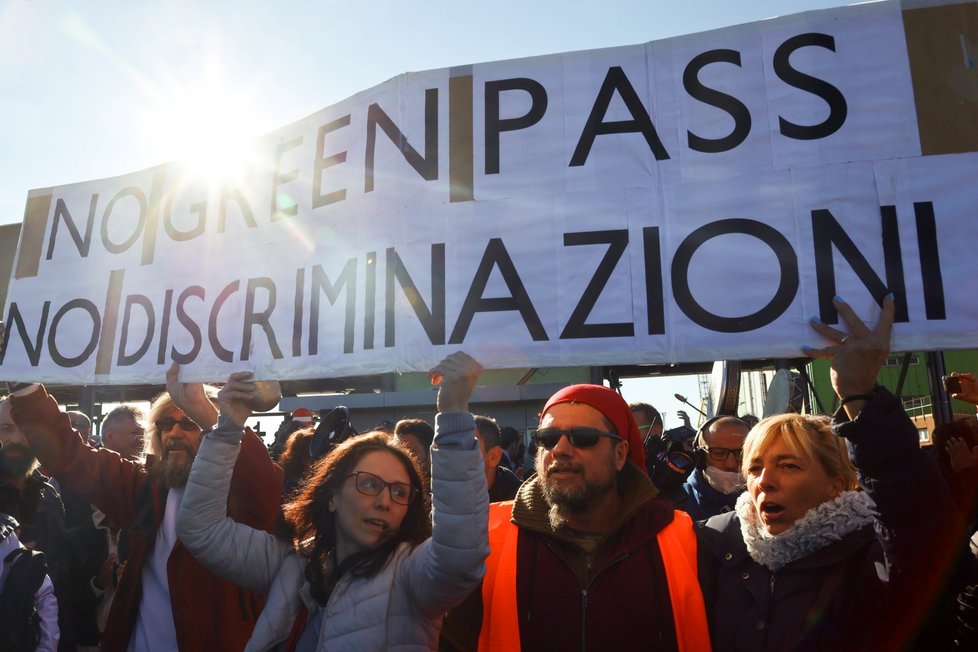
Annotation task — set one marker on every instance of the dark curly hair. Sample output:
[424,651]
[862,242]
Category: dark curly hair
[313,527]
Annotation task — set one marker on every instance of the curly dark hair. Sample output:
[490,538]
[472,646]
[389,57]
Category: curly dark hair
[313,526]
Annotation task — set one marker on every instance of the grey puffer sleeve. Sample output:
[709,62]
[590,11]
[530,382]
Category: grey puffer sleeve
[449,565]
[241,554]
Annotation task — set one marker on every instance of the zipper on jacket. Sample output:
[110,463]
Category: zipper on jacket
[584,588]
[583,621]
[773,577]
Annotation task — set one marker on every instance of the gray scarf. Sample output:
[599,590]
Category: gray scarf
[822,525]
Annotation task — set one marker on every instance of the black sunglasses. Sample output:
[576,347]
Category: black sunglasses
[186,423]
[578,437]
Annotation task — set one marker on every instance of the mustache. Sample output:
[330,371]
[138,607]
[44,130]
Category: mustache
[557,467]
[178,445]
[17,448]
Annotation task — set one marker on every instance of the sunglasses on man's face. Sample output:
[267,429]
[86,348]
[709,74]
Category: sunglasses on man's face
[578,437]
[186,423]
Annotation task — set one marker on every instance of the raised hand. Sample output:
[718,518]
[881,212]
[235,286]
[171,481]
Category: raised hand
[456,375]
[858,355]
[959,456]
[684,417]
[969,387]
[237,397]
[190,398]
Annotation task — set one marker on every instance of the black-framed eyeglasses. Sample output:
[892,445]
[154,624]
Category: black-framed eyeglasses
[578,437]
[718,454]
[371,485]
[186,423]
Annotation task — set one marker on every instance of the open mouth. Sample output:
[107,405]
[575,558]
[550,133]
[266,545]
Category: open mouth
[377,523]
[771,510]
[562,470]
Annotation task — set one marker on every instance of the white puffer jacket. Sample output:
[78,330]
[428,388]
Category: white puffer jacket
[402,607]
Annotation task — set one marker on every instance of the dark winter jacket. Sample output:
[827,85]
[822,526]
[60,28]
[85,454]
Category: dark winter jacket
[505,486]
[705,501]
[869,590]
[566,595]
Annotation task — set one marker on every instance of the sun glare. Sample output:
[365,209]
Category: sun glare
[207,126]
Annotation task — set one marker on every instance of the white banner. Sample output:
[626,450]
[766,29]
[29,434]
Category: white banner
[692,199]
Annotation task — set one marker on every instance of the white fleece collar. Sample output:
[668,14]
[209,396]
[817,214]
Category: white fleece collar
[822,525]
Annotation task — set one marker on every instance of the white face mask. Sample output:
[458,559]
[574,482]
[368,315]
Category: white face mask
[726,482]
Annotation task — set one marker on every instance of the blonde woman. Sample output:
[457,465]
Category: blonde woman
[842,537]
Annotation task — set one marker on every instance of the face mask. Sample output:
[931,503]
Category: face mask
[726,482]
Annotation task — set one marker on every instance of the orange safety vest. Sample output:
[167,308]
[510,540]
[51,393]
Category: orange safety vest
[500,623]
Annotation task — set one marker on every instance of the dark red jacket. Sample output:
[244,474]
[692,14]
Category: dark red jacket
[616,598]
[209,613]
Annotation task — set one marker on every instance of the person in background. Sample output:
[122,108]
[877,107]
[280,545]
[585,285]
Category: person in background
[83,425]
[416,435]
[35,503]
[300,418]
[295,459]
[124,431]
[649,423]
[511,443]
[502,482]
[716,482]
[364,567]
[667,461]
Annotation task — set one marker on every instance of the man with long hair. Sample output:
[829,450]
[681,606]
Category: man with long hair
[165,600]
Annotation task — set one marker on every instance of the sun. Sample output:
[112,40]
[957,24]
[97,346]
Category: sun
[206,124]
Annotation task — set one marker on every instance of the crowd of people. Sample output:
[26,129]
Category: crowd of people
[179,531]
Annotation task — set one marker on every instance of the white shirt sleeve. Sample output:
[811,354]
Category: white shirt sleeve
[47,609]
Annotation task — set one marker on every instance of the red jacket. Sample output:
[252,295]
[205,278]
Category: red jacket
[209,613]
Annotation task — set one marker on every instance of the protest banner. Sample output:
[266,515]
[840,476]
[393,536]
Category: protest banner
[690,199]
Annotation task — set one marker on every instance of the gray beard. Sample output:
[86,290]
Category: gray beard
[565,503]
[174,475]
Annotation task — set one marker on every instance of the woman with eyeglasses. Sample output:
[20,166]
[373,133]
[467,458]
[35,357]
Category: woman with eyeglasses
[824,552]
[362,567]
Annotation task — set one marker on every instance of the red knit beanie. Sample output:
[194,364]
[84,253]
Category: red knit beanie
[609,403]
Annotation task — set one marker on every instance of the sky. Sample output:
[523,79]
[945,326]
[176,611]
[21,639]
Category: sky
[97,89]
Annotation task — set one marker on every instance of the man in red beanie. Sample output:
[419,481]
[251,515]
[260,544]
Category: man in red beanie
[586,557]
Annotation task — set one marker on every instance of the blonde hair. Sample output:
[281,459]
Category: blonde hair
[162,405]
[805,436]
